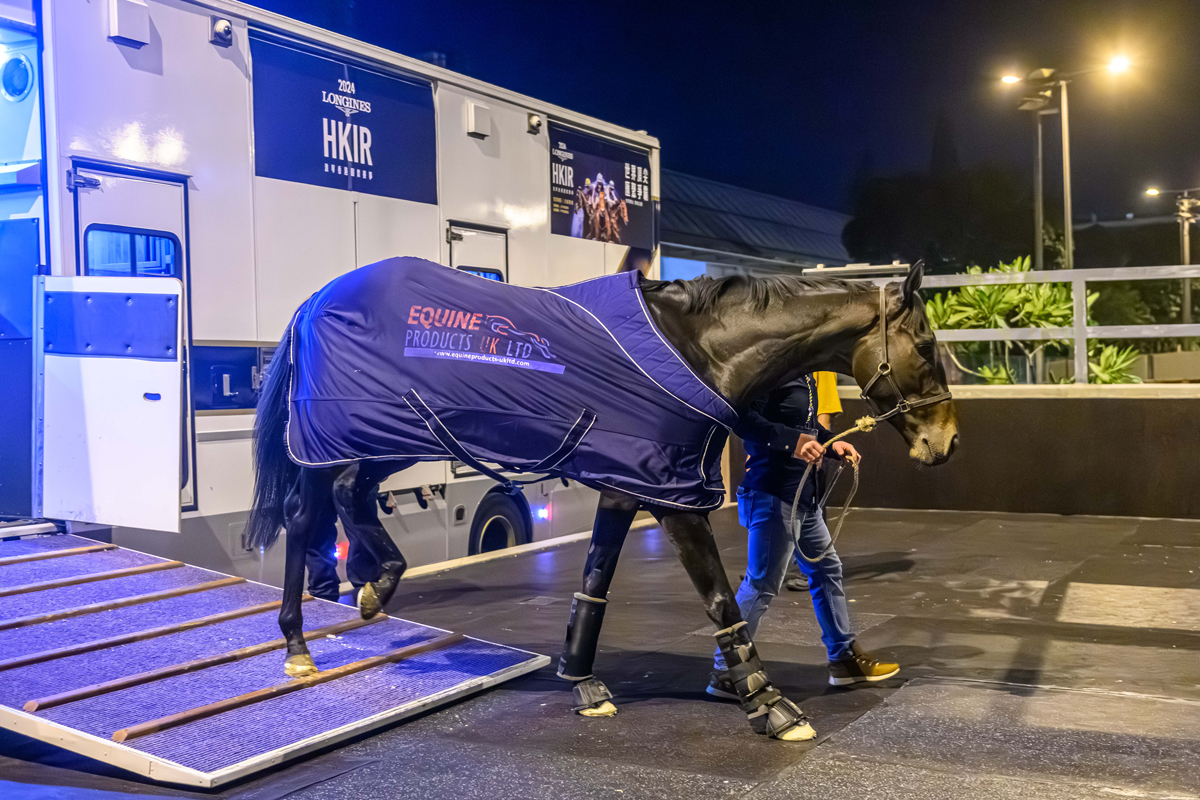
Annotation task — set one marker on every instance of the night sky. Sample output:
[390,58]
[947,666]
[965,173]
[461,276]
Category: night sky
[803,99]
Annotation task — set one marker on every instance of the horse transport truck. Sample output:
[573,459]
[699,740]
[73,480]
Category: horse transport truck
[252,158]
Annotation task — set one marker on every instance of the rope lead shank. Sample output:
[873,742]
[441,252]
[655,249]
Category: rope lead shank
[863,424]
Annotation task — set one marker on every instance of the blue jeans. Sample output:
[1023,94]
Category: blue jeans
[768,550]
[321,562]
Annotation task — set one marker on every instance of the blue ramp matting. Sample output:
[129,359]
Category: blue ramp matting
[59,661]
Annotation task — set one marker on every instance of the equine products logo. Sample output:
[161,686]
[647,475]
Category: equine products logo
[447,333]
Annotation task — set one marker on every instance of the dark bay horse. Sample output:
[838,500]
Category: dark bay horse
[744,337]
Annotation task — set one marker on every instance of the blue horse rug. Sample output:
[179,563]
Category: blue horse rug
[407,359]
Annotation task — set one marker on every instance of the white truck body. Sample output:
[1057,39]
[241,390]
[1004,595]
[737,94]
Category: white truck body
[143,130]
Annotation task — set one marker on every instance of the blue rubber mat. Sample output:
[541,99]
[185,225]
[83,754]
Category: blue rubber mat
[102,625]
[64,674]
[231,743]
[53,569]
[327,706]
[41,544]
[50,600]
[107,713]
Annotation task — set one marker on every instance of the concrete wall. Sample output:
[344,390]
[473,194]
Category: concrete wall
[1110,456]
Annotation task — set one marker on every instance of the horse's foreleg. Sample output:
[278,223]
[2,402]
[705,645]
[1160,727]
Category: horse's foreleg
[614,515]
[769,712]
[305,505]
[354,493]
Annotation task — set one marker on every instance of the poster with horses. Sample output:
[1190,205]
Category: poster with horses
[599,189]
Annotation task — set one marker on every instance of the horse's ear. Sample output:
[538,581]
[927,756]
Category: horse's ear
[912,283]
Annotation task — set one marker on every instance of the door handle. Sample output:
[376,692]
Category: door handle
[76,181]
[153,397]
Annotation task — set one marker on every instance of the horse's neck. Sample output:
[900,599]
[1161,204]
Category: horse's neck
[744,352]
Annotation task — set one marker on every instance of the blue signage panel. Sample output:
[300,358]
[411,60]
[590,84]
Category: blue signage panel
[320,121]
[599,189]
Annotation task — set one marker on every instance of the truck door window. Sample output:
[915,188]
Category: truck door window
[127,252]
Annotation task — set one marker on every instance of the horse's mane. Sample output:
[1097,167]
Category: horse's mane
[702,294]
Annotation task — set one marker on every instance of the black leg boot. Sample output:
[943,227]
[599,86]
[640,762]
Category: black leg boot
[583,634]
[769,712]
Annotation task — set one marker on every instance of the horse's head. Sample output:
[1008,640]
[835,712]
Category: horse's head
[898,365]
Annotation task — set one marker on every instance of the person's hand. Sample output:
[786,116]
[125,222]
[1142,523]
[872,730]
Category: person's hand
[811,451]
[847,451]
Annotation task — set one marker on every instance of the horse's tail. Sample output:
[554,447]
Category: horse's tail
[275,472]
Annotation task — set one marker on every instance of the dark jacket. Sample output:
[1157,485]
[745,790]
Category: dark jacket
[770,429]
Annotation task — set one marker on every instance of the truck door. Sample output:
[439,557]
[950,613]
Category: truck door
[134,224]
[478,247]
[108,396]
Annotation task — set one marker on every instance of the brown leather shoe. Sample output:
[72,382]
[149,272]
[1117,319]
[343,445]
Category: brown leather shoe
[860,667]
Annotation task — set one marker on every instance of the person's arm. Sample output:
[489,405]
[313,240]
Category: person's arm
[777,437]
[825,433]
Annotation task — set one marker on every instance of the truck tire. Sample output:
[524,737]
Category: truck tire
[501,521]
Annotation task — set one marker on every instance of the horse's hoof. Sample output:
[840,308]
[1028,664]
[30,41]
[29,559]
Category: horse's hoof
[368,602]
[299,666]
[605,709]
[797,733]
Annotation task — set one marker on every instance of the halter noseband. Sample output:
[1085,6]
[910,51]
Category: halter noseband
[884,370]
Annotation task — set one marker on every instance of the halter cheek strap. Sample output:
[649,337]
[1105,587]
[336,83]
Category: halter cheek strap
[884,372]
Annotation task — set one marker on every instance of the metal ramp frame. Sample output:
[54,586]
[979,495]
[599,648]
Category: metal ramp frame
[176,672]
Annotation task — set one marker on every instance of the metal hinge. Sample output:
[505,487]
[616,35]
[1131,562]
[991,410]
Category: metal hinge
[77,181]
[453,235]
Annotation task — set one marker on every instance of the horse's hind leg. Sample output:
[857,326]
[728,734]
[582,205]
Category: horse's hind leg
[614,515]
[354,493]
[304,507]
[769,712]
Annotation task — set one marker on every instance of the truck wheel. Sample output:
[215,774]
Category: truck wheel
[500,522]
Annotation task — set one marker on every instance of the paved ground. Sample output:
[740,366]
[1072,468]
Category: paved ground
[1044,657]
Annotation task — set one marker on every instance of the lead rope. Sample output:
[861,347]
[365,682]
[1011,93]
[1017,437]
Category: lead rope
[863,424]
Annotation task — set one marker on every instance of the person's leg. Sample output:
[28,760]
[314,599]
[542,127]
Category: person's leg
[361,566]
[824,584]
[768,548]
[321,558]
[847,663]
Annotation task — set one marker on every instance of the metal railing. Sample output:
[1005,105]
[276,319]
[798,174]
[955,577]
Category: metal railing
[1080,331]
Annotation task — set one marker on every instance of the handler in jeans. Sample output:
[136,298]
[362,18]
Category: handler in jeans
[321,561]
[784,432]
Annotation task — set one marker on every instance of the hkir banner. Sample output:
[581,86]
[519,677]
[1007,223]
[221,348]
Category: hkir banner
[327,123]
[599,189]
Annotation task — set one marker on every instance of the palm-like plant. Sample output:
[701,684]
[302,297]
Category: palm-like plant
[1023,305]
[1113,365]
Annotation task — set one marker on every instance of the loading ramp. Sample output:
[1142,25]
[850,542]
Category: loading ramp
[176,673]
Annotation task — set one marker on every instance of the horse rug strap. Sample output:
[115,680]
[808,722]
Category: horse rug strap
[410,360]
[452,445]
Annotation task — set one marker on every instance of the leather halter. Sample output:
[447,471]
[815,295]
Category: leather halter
[884,371]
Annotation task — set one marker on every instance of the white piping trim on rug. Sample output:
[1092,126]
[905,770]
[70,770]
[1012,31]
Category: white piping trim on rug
[674,352]
[631,358]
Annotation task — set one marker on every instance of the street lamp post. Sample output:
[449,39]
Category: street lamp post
[1068,226]
[1185,212]
[1043,80]
[1039,212]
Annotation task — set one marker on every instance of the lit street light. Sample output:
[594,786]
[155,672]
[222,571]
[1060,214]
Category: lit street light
[1185,212]
[1044,81]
